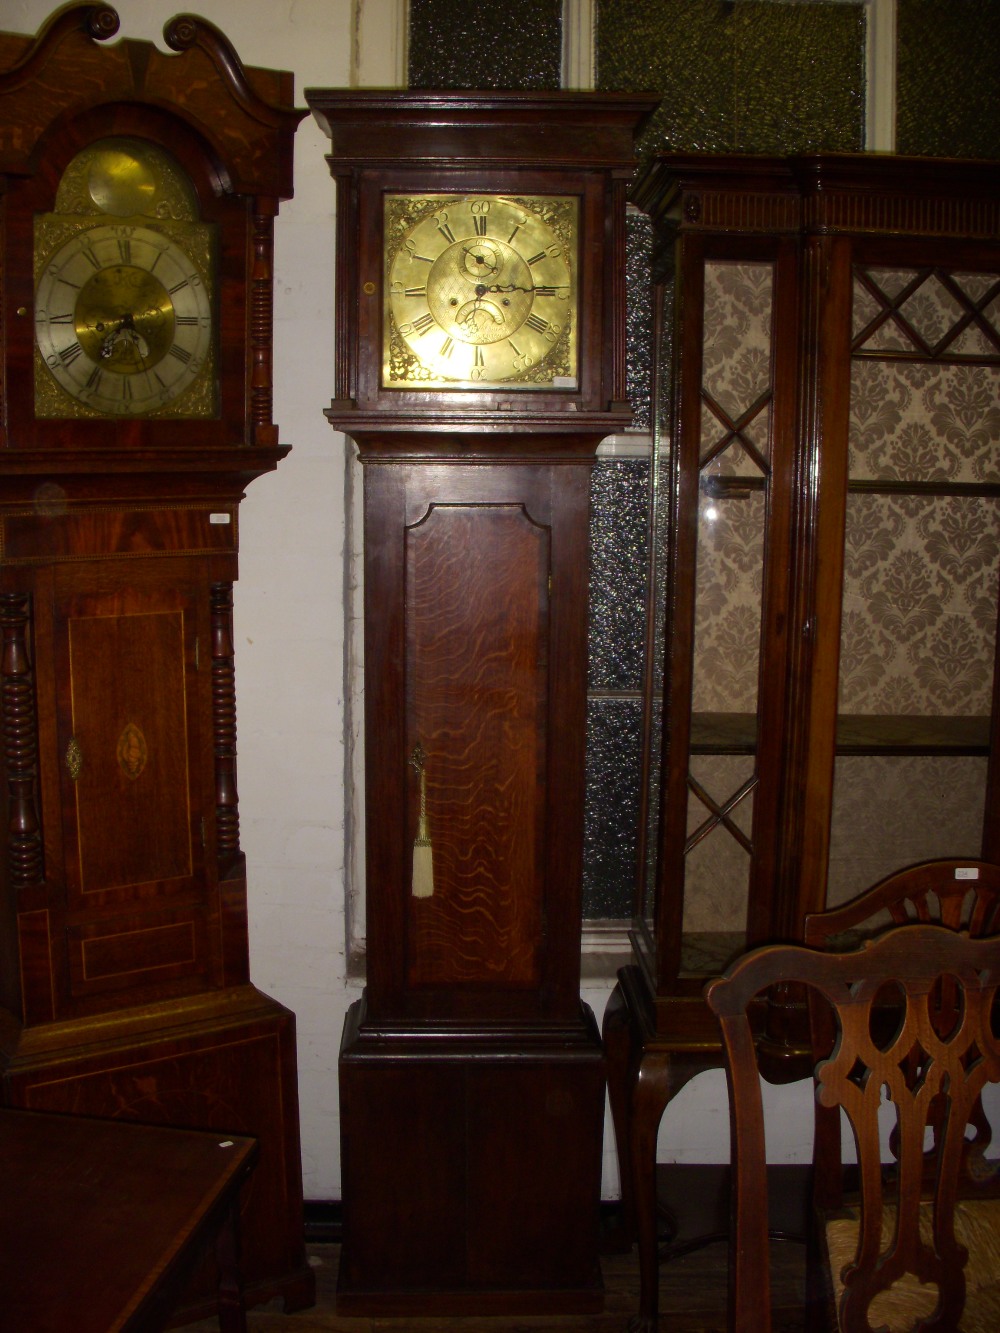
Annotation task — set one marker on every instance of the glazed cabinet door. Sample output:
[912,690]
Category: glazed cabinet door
[906,595]
[730,464]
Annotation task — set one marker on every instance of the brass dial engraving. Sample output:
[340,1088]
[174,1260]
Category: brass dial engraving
[124,274]
[123,319]
[126,177]
[480,292]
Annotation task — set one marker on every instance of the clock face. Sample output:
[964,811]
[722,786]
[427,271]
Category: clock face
[123,320]
[124,305]
[480,292]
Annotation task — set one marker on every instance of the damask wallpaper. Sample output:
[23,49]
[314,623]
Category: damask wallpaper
[736,388]
[890,810]
[920,605]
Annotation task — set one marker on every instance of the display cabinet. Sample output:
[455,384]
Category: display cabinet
[480,360]
[138,190]
[829,455]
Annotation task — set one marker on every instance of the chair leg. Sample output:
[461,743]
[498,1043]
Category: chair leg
[820,1312]
[650,1094]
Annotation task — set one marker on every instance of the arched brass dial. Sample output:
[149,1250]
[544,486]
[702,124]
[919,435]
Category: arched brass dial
[123,319]
[480,292]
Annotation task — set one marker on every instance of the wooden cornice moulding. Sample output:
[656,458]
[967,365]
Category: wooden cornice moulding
[865,211]
[718,191]
[44,80]
[860,193]
[505,128]
[717,210]
[889,195]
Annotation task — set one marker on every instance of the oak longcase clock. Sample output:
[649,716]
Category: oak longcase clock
[138,190]
[480,361]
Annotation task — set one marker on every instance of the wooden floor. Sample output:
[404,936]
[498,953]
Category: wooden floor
[692,1300]
[694,1203]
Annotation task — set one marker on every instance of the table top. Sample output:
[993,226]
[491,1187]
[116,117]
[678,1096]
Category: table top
[98,1216]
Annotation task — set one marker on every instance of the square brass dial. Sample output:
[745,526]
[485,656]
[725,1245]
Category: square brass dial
[480,291]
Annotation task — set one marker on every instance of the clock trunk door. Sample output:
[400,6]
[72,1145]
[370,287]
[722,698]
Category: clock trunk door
[477,682]
[476,716]
[133,833]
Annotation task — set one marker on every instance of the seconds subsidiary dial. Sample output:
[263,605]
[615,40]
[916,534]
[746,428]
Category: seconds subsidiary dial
[480,292]
[123,319]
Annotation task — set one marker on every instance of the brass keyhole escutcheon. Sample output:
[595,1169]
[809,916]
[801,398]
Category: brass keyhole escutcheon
[74,759]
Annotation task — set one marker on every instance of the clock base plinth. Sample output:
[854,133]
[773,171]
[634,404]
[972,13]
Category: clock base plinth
[471,1169]
[222,1061]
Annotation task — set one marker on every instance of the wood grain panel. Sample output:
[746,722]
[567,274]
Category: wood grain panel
[477,681]
[129,718]
[116,531]
[34,940]
[118,954]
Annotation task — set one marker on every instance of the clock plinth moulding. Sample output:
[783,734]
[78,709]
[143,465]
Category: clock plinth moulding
[480,361]
[139,189]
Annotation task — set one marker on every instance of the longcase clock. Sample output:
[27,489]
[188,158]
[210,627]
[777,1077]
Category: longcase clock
[138,191]
[480,361]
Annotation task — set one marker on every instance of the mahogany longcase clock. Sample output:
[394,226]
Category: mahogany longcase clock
[480,361]
[138,190]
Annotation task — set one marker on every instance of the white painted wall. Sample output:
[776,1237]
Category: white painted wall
[291,651]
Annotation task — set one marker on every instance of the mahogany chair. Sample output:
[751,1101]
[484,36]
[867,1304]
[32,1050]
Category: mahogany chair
[960,894]
[963,895]
[887,1257]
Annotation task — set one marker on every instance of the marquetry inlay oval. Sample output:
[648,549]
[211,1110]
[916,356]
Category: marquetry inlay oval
[132,754]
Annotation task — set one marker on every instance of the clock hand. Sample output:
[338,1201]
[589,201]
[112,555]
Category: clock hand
[110,340]
[486,261]
[513,287]
[125,333]
[508,287]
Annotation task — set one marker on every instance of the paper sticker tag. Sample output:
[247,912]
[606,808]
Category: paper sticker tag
[219,518]
[966,872]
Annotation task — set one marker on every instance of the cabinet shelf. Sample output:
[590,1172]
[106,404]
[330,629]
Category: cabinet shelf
[718,486]
[857,734]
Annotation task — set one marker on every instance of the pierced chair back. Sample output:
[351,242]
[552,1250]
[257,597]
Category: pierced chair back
[899,1252]
[959,894]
